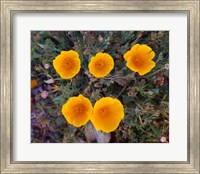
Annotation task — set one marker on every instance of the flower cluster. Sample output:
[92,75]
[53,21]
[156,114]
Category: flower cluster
[107,112]
[68,64]
[105,115]
[139,59]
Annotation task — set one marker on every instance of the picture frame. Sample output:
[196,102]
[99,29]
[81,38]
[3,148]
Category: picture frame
[10,8]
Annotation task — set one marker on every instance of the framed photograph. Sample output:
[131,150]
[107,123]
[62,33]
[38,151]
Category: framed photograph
[100,86]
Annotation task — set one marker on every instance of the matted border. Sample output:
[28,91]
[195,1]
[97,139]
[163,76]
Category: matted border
[9,8]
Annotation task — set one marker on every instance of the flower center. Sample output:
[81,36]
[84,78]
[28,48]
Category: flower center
[79,109]
[100,64]
[67,63]
[138,62]
[103,111]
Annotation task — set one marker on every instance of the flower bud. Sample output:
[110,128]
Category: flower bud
[44,94]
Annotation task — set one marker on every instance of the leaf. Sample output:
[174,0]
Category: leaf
[49,81]
[51,47]
[35,55]
[42,46]
[57,99]
[156,91]
[150,92]
[105,45]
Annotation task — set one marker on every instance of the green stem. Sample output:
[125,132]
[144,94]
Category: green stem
[121,91]
[138,104]
[127,85]
[141,123]
[154,72]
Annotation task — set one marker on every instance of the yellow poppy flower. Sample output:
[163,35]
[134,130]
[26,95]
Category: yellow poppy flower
[107,114]
[77,110]
[67,64]
[139,59]
[33,83]
[101,65]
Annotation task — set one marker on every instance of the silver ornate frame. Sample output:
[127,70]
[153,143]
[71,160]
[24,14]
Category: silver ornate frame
[11,7]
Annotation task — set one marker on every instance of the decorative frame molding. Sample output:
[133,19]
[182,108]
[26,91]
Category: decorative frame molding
[9,8]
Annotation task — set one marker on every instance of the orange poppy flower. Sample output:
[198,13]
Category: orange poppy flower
[139,59]
[77,110]
[33,83]
[107,114]
[101,65]
[67,64]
